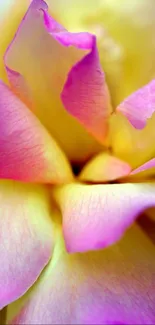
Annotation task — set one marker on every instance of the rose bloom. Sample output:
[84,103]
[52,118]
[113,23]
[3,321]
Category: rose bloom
[77,161]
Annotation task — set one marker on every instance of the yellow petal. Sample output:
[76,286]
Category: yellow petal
[11,13]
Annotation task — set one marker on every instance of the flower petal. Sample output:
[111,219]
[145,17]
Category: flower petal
[103,168]
[28,152]
[115,286]
[129,144]
[86,96]
[139,106]
[11,12]
[41,80]
[26,237]
[132,127]
[145,170]
[95,216]
[125,33]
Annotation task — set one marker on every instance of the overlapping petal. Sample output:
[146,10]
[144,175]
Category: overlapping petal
[132,127]
[26,237]
[139,106]
[103,168]
[129,144]
[145,170]
[40,36]
[95,216]
[115,286]
[125,32]
[27,151]
[85,95]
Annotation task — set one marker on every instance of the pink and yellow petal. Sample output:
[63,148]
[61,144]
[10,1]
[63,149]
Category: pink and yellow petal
[132,127]
[146,170]
[139,106]
[96,216]
[26,235]
[103,168]
[86,97]
[27,151]
[114,286]
[42,80]
[129,144]
[125,33]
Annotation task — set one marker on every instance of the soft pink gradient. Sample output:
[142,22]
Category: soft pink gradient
[139,106]
[145,167]
[49,67]
[26,235]
[86,96]
[104,168]
[37,68]
[27,152]
[96,216]
[115,286]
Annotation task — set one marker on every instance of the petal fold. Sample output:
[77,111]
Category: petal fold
[85,95]
[27,152]
[125,34]
[39,82]
[129,144]
[139,106]
[104,168]
[114,286]
[26,237]
[96,216]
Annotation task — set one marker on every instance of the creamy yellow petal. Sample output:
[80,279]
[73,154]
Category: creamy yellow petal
[11,13]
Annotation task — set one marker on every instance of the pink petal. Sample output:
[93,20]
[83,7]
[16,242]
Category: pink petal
[85,94]
[26,237]
[103,168]
[115,286]
[96,216]
[27,151]
[147,168]
[139,106]
[38,61]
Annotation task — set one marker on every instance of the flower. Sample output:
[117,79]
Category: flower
[57,111]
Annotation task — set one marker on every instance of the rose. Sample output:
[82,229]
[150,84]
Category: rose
[89,288]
